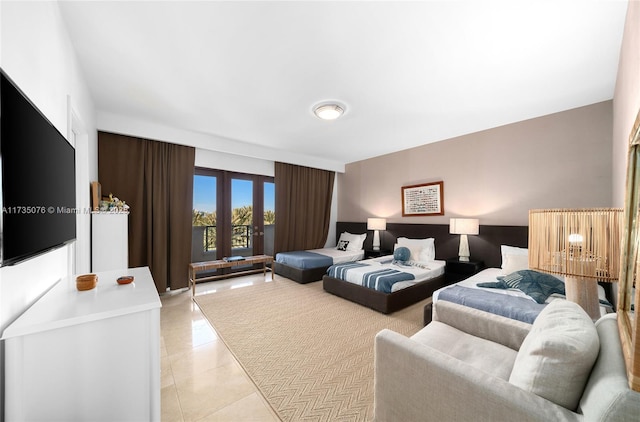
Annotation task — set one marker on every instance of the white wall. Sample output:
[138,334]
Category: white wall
[232,162]
[35,51]
[126,125]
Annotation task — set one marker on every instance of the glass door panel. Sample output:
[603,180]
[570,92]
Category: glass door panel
[242,231]
[204,219]
[269,221]
[233,215]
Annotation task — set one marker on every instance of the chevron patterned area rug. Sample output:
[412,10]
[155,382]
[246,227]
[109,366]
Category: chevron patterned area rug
[309,352]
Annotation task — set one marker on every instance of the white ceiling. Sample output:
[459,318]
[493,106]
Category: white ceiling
[410,73]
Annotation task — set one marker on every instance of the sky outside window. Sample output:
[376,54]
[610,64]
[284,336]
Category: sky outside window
[269,196]
[204,194]
[241,193]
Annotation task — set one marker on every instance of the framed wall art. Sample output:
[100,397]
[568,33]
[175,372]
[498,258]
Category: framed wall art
[423,199]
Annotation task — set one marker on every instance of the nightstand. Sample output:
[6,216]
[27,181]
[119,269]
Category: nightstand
[370,253]
[457,270]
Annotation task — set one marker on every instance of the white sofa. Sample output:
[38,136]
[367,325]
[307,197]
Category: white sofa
[469,365]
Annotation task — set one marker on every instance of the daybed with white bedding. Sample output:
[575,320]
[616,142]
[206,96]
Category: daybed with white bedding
[418,278]
[512,291]
[311,265]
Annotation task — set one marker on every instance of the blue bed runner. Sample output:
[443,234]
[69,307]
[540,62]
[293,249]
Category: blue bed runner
[339,271]
[377,279]
[512,307]
[383,280]
[304,259]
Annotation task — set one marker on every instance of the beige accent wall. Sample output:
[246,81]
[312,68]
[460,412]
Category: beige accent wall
[497,175]
[626,100]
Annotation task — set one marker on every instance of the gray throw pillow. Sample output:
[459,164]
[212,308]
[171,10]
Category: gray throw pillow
[557,355]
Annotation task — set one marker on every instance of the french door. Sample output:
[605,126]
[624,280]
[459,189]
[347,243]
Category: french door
[233,215]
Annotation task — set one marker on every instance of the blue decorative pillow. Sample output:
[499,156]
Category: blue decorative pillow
[402,254]
[539,286]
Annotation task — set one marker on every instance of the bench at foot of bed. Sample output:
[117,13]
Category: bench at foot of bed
[379,301]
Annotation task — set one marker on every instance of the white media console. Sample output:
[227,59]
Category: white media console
[87,355]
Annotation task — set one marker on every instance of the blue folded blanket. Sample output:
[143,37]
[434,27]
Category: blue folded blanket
[539,286]
[304,259]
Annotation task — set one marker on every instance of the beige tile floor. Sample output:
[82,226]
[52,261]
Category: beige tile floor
[201,380]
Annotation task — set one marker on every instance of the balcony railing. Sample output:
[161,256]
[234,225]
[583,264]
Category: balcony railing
[209,238]
[203,246]
[240,237]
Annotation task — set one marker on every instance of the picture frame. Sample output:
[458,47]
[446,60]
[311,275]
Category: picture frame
[423,200]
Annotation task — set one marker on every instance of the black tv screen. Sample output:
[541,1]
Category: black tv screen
[38,179]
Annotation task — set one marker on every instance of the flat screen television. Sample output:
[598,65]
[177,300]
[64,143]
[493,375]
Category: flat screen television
[38,180]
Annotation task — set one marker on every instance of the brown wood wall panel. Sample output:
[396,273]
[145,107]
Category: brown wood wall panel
[484,247]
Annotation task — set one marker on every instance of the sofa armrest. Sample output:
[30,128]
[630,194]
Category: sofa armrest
[506,331]
[415,382]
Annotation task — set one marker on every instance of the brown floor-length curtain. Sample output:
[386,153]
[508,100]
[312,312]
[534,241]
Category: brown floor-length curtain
[303,207]
[156,180]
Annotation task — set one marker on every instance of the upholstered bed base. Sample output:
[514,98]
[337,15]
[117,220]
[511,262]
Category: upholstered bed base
[428,314]
[299,275]
[383,302]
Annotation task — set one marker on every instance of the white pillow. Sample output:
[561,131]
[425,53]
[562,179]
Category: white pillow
[511,250]
[355,240]
[556,357]
[515,263]
[422,250]
[358,243]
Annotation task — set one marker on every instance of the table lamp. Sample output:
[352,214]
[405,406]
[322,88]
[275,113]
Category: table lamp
[583,245]
[464,227]
[376,224]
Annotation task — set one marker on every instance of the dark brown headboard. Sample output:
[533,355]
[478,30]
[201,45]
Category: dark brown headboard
[484,247]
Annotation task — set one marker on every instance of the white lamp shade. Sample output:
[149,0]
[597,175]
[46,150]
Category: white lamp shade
[376,224]
[464,226]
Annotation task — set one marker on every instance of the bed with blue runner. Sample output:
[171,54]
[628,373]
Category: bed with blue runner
[304,259]
[519,308]
[377,277]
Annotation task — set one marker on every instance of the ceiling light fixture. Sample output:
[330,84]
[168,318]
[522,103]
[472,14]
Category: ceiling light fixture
[328,111]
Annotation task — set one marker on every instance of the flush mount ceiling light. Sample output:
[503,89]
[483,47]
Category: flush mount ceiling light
[328,111]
